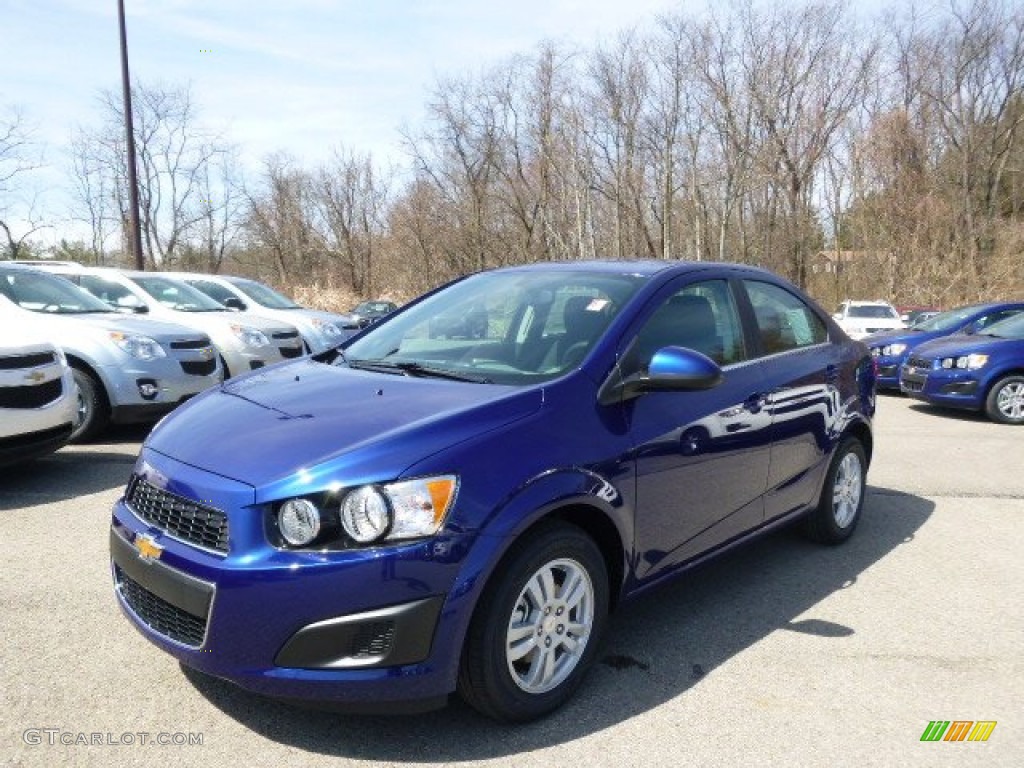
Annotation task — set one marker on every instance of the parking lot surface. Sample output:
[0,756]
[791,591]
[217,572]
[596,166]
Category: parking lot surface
[782,652]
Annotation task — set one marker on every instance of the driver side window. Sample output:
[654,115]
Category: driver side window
[701,317]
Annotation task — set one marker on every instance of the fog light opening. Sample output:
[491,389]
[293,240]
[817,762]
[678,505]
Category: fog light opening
[148,388]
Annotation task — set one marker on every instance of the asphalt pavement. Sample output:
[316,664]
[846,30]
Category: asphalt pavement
[782,652]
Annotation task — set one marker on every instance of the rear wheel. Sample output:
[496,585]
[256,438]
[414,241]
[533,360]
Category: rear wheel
[93,412]
[537,627]
[1005,402]
[842,496]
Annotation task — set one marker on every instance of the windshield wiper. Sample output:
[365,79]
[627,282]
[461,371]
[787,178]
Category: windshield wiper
[415,369]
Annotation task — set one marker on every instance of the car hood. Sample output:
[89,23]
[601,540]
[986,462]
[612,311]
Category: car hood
[962,344]
[317,424]
[86,324]
[901,336]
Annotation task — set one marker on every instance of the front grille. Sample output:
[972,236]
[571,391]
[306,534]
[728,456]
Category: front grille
[291,351]
[198,367]
[31,396]
[919,362]
[372,639]
[191,343]
[180,517]
[285,335]
[159,615]
[14,362]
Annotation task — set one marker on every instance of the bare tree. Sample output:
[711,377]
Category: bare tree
[16,160]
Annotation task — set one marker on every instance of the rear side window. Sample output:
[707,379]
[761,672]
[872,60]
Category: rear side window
[784,321]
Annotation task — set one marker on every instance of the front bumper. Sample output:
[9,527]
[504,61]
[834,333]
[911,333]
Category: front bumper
[888,371]
[365,627]
[943,386]
[172,381]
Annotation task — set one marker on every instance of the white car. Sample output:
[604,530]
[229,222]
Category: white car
[245,343]
[38,396]
[862,318]
[320,330]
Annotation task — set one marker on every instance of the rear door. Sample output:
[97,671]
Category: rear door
[804,375]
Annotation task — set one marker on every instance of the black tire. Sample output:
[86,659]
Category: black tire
[1005,401]
[842,495]
[496,685]
[93,411]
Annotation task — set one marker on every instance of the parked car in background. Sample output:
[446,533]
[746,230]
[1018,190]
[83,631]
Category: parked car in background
[126,369]
[983,371]
[862,318]
[320,330]
[369,312]
[911,315]
[891,348]
[421,515]
[38,396]
[243,343]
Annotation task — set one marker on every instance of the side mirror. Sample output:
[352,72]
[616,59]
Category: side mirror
[672,369]
[235,303]
[140,309]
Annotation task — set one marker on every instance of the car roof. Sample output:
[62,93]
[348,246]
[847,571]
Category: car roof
[641,267]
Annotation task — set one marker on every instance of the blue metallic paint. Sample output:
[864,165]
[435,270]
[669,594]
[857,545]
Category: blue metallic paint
[642,467]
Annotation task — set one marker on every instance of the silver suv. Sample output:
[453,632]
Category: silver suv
[38,397]
[244,343]
[320,330]
[127,369]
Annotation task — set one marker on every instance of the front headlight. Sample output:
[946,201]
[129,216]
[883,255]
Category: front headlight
[251,337]
[894,349]
[326,328]
[970,362]
[367,514]
[299,521]
[139,347]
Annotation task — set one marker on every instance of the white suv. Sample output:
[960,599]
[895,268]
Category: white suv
[862,318]
[38,396]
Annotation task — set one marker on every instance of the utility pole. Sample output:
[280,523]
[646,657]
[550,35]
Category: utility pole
[129,140]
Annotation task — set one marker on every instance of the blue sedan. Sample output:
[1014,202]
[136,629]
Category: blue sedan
[412,516]
[981,372]
[891,348]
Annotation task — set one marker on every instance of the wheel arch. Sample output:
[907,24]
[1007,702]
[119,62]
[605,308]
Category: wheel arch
[83,365]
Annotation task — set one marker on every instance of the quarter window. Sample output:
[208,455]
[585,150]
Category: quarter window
[784,322]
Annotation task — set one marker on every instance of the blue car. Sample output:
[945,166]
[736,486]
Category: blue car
[891,348]
[980,372]
[411,516]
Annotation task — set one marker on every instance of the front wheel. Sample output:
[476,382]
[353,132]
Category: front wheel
[1005,402]
[842,496]
[537,627]
[92,414]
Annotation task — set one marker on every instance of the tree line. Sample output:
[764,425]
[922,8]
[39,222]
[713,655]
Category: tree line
[803,138]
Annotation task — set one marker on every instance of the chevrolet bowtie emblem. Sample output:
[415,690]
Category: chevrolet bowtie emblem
[147,548]
[206,353]
[35,377]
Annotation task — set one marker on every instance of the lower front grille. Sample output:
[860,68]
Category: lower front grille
[289,352]
[198,367]
[199,343]
[159,615]
[372,639]
[31,396]
[182,518]
[281,335]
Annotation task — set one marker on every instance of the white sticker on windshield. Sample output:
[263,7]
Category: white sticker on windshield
[596,305]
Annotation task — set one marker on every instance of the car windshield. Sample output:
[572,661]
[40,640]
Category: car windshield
[947,321]
[374,306]
[178,295]
[49,294]
[1010,328]
[515,327]
[873,311]
[264,295]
